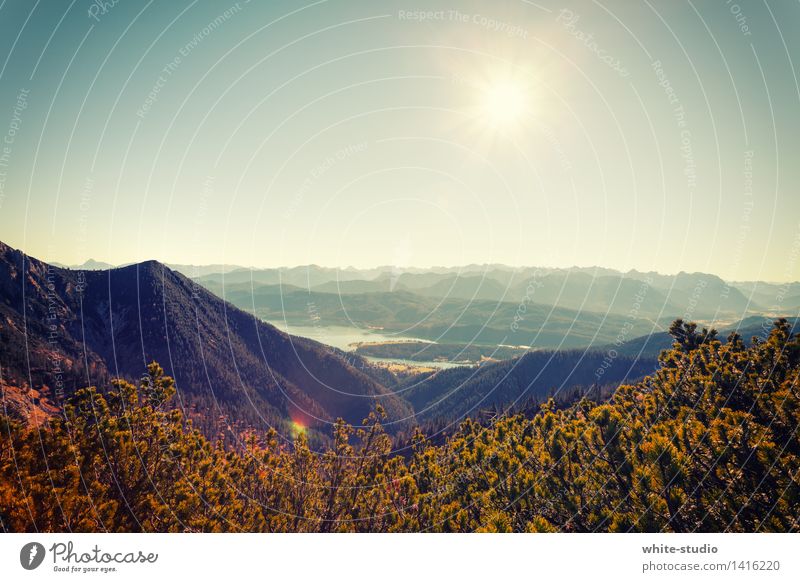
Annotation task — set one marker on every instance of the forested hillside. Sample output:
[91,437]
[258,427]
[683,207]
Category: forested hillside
[565,375]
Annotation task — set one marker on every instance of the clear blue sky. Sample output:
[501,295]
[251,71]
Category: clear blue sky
[656,135]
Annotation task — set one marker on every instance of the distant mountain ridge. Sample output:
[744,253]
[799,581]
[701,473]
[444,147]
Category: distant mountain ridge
[660,298]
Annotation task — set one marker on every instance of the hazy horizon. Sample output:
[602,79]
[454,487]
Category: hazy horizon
[386,268]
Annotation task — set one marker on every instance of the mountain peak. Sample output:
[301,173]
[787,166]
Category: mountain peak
[226,363]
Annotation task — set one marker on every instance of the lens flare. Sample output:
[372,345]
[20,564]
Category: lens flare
[298,428]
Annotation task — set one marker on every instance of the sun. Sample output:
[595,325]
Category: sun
[504,103]
[501,100]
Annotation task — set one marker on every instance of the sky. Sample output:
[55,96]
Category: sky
[660,135]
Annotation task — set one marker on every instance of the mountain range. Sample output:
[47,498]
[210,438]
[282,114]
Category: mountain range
[654,295]
[697,296]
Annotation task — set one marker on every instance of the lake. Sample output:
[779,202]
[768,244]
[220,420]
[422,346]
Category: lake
[343,337]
